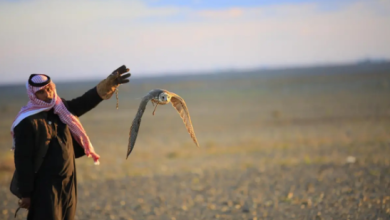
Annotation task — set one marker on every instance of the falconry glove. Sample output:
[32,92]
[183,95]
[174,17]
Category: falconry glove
[108,86]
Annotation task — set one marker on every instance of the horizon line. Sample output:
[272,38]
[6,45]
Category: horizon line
[224,71]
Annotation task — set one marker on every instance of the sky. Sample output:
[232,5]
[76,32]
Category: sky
[87,39]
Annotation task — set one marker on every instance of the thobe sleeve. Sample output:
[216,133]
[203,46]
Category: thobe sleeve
[23,156]
[84,103]
[80,106]
[78,150]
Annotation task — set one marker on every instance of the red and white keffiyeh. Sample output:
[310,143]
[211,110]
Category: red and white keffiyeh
[36,105]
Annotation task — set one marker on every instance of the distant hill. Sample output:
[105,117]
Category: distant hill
[361,67]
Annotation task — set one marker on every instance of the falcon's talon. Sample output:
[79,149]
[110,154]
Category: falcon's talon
[160,97]
[155,108]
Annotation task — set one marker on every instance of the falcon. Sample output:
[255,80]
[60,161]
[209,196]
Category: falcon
[160,97]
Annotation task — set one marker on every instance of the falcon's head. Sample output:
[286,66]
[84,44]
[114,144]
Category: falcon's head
[164,98]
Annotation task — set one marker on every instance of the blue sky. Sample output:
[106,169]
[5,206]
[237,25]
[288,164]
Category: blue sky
[221,4]
[84,39]
[217,4]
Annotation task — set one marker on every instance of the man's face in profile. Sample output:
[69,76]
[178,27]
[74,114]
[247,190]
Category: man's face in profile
[46,94]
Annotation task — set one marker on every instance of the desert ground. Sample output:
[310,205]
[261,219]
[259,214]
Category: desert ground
[309,143]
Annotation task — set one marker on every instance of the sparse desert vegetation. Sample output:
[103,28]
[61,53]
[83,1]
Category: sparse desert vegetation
[309,144]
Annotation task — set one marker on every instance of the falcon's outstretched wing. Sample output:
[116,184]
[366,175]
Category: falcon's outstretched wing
[181,107]
[137,120]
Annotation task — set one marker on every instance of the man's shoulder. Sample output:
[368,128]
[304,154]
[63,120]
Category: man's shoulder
[32,119]
[38,115]
[65,103]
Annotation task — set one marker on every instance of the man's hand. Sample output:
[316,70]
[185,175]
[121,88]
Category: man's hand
[117,77]
[107,87]
[25,203]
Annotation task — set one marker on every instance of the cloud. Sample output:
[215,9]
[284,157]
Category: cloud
[230,13]
[90,38]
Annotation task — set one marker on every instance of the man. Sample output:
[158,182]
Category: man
[47,138]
